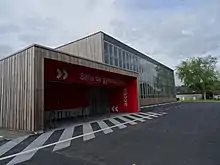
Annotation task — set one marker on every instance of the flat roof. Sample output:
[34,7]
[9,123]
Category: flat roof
[136,52]
[86,59]
[110,67]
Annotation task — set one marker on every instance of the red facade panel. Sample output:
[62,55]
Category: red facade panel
[67,87]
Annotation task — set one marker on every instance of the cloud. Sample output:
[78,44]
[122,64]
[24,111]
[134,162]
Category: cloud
[5,49]
[169,31]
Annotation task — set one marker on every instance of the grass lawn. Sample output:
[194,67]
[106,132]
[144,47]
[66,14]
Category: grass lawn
[200,101]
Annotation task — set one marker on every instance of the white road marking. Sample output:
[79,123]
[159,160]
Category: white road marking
[156,105]
[35,144]
[103,125]
[87,128]
[143,116]
[11,144]
[136,118]
[117,123]
[147,114]
[67,133]
[126,120]
[159,114]
[24,152]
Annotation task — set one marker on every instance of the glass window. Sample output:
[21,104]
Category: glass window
[120,58]
[142,90]
[116,56]
[106,53]
[148,88]
[111,54]
[130,61]
[124,59]
[133,62]
[145,90]
[127,60]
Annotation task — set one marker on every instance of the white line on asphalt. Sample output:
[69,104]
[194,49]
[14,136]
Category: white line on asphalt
[35,144]
[147,114]
[11,144]
[143,116]
[154,113]
[63,141]
[67,133]
[136,118]
[87,128]
[117,123]
[156,105]
[103,125]
[126,120]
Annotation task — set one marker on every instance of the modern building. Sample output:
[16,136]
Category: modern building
[94,75]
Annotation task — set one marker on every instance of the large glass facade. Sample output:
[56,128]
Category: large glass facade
[156,81]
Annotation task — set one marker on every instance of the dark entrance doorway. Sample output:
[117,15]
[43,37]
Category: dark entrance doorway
[99,101]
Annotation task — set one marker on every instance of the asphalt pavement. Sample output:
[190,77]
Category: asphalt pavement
[189,134]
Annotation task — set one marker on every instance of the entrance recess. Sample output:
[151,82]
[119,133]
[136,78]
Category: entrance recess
[99,101]
[73,91]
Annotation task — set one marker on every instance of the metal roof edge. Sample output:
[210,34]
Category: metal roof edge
[11,55]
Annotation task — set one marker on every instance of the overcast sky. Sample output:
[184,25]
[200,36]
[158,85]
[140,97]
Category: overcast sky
[166,30]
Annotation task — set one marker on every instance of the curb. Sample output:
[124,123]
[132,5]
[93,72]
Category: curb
[156,105]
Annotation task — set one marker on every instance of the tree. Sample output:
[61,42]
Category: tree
[199,73]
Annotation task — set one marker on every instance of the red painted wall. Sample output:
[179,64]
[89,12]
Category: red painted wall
[72,91]
[65,96]
[126,97]
[80,74]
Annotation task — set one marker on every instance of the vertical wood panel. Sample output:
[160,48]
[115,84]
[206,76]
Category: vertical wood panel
[89,47]
[33,90]
[12,87]
[22,90]
[39,87]
[7,93]
[1,91]
[16,91]
[17,79]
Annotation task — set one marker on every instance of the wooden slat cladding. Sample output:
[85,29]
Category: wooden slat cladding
[17,90]
[64,57]
[39,89]
[89,47]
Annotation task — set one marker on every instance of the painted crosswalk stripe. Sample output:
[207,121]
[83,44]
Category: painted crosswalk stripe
[87,129]
[36,143]
[115,122]
[136,118]
[104,126]
[147,114]
[67,133]
[11,144]
[127,120]
[143,116]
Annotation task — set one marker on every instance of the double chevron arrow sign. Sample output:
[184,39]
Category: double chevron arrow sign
[62,74]
[114,108]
